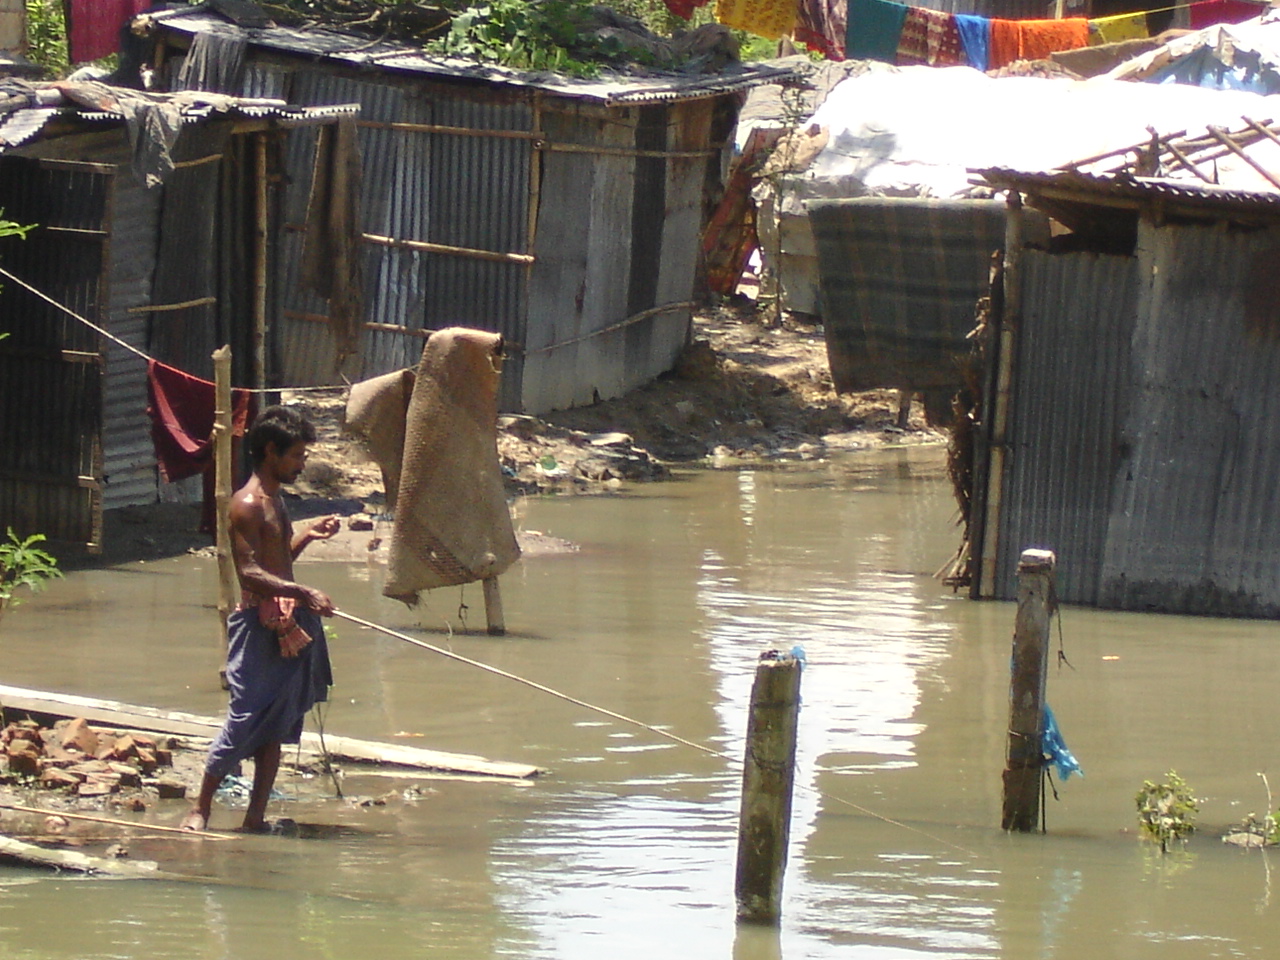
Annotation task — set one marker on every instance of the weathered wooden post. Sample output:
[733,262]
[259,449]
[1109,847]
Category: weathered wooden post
[767,779]
[1024,761]
[222,432]
[493,607]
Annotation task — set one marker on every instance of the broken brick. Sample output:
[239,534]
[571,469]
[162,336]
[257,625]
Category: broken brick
[23,758]
[147,760]
[54,779]
[91,788]
[79,735]
[129,776]
[124,748]
[171,790]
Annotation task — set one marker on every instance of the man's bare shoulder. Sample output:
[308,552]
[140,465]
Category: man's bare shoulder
[249,504]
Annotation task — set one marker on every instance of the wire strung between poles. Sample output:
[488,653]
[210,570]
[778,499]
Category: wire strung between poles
[711,751]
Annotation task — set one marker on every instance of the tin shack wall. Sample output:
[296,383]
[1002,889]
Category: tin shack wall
[616,248]
[1193,526]
[129,463]
[1073,375]
[460,189]
[1142,442]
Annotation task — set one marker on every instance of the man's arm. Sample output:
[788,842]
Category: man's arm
[249,528]
[321,529]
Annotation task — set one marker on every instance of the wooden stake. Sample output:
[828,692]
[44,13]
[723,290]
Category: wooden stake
[261,247]
[767,779]
[493,607]
[222,489]
[1024,764]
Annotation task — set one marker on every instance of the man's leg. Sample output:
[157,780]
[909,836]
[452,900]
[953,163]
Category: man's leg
[197,817]
[266,764]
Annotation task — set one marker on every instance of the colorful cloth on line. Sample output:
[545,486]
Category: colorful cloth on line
[270,693]
[822,26]
[975,39]
[913,43]
[874,29]
[684,8]
[94,28]
[770,19]
[1034,39]
[1119,29]
[1209,12]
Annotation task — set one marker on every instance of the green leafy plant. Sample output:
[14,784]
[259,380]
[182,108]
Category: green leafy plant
[47,36]
[23,564]
[1166,811]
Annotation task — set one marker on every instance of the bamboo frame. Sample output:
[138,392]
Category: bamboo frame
[535,136]
[165,307]
[428,247]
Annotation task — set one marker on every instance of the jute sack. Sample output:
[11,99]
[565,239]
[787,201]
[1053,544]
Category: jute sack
[452,524]
[375,414]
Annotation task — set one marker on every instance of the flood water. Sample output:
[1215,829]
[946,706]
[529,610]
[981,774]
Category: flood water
[625,849]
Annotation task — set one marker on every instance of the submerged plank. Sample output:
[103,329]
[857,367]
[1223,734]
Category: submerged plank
[155,720]
[30,854]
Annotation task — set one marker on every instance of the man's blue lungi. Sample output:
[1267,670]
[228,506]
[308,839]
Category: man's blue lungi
[270,694]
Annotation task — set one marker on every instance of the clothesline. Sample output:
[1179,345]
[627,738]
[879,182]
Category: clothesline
[142,354]
[852,29]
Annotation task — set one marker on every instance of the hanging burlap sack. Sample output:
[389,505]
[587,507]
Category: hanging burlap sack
[375,415]
[452,524]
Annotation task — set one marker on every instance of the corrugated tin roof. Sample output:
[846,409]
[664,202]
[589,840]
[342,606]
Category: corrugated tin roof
[351,50]
[25,123]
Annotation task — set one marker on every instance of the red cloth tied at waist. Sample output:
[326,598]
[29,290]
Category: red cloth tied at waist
[276,614]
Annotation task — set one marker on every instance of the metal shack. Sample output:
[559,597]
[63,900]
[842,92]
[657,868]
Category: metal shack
[562,213]
[1134,381]
[149,236]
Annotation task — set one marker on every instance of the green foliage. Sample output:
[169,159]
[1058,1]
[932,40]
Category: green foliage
[539,35]
[1166,811]
[10,229]
[23,564]
[47,36]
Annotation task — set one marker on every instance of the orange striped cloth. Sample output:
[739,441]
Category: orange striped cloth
[1035,39]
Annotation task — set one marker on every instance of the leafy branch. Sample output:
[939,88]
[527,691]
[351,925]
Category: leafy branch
[23,564]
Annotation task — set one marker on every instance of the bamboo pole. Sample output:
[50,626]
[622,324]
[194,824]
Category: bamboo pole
[222,431]
[111,821]
[493,607]
[1010,316]
[1024,758]
[767,780]
[261,244]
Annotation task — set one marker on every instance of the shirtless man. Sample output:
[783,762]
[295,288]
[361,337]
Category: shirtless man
[277,661]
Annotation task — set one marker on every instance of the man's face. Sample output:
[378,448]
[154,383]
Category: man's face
[288,466]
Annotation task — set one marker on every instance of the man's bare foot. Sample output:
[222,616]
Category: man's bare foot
[254,826]
[194,821]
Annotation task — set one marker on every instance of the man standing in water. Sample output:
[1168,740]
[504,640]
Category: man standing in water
[277,661]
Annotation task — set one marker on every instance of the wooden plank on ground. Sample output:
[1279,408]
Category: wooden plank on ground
[155,720]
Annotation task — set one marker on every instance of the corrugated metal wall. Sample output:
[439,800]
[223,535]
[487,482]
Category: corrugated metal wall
[1194,526]
[1142,427]
[462,191]
[600,237]
[1072,375]
[50,365]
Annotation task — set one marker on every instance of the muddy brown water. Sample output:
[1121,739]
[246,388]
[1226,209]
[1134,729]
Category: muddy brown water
[626,848]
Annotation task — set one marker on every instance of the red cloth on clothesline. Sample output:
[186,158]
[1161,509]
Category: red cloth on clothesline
[181,408]
[1209,12]
[684,8]
[94,30]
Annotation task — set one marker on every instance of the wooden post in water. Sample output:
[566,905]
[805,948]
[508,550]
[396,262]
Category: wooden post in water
[1024,763]
[493,607]
[222,491]
[767,779]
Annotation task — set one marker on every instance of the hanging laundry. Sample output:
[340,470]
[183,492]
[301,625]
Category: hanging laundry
[770,19]
[975,39]
[913,44]
[1005,40]
[1130,26]
[944,41]
[684,8]
[1209,12]
[181,408]
[874,29]
[93,28]
[822,26]
[1034,39]
[1039,38]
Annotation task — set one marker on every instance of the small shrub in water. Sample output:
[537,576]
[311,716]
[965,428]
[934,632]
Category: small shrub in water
[1166,811]
[23,564]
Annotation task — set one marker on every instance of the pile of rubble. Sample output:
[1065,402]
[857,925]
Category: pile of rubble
[77,759]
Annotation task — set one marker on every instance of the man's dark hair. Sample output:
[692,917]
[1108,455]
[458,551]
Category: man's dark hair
[282,426]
